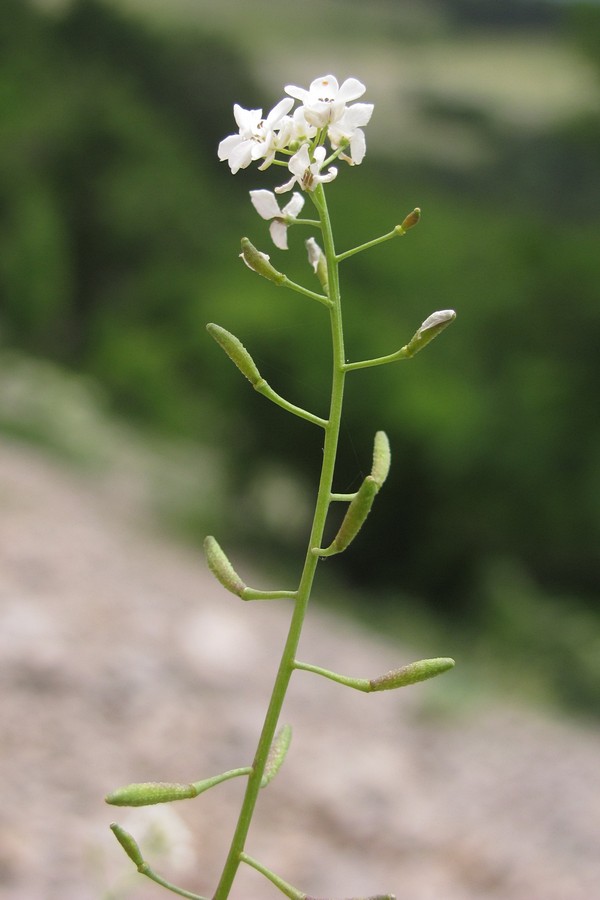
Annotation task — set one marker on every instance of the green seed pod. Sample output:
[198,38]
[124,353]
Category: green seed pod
[221,568]
[381,458]
[411,674]
[354,519]
[277,754]
[259,262]
[236,351]
[149,792]
[128,844]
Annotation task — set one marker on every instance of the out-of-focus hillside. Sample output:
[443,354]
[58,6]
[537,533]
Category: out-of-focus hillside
[124,660]
[119,237]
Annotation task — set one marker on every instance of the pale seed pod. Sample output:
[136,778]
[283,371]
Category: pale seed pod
[221,568]
[277,754]
[381,458]
[411,674]
[150,792]
[236,351]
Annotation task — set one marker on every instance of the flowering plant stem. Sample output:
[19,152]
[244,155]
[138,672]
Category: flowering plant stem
[325,114]
[287,664]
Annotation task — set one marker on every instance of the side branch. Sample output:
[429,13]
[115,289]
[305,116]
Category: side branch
[431,327]
[238,354]
[409,222]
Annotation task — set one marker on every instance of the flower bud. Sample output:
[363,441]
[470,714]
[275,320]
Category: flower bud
[381,458]
[410,221]
[277,754]
[411,674]
[129,844]
[431,327]
[354,519]
[236,351]
[149,792]
[221,568]
[259,262]
[318,261]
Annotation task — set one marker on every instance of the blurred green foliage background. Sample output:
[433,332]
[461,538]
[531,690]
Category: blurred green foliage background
[119,235]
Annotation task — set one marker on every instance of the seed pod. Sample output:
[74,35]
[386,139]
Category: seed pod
[354,519]
[221,568]
[129,844]
[149,792]
[381,458]
[411,674]
[277,754]
[259,262]
[236,351]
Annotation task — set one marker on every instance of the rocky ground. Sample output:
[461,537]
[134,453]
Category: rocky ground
[122,659]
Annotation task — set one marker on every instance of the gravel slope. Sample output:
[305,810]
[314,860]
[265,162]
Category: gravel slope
[121,659]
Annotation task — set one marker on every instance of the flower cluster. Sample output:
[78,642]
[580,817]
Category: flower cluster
[324,114]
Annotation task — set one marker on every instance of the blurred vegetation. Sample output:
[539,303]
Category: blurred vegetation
[118,240]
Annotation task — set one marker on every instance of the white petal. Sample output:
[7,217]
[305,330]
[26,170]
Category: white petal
[350,90]
[325,88]
[278,231]
[278,112]
[246,119]
[228,145]
[300,161]
[241,156]
[297,92]
[287,186]
[358,146]
[329,175]
[294,206]
[265,204]
[358,114]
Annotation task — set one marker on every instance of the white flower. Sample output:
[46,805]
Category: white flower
[325,102]
[306,173]
[265,203]
[256,135]
[347,130]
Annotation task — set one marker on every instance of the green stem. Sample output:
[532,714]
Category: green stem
[283,886]
[359,684]
[306,292]
[264,388]
[402,353]
[396,232]
[152,875]
[287,663]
